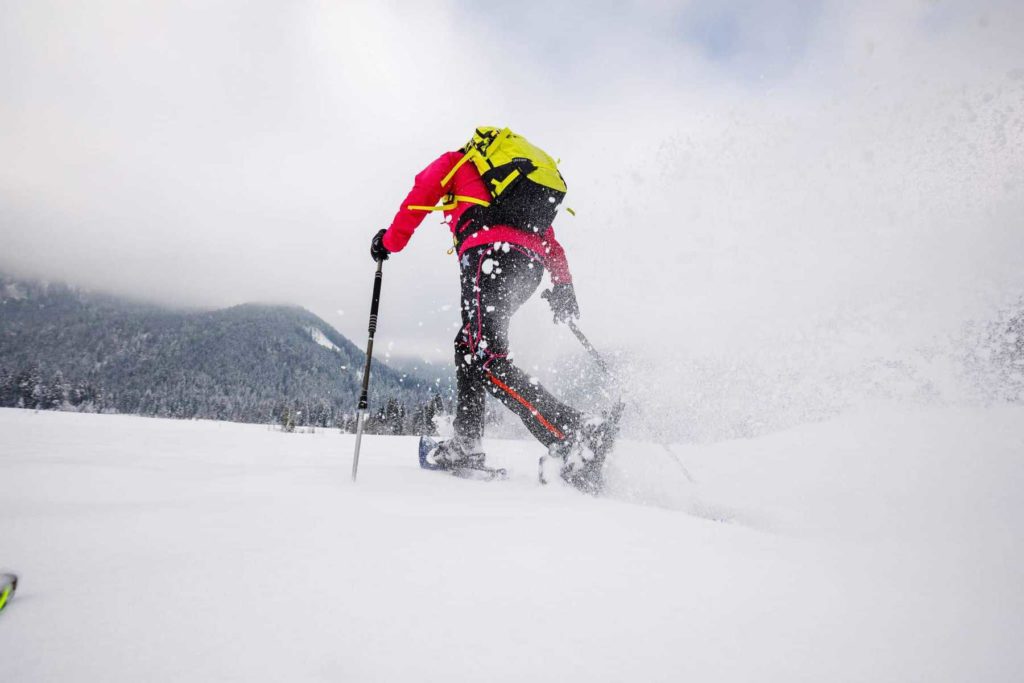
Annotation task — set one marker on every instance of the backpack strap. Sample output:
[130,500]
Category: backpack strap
[451,201]
[500,185]
[465,157]
[471,200]
[481,145]
[498,139]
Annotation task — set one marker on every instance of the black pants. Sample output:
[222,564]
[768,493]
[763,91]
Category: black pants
[496,280]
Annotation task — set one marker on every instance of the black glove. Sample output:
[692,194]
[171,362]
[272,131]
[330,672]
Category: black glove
[562,299]
[378,252]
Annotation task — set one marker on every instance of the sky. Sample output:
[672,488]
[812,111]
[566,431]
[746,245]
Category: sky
[747,175]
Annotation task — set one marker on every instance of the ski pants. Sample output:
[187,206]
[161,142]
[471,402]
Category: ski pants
[496,280]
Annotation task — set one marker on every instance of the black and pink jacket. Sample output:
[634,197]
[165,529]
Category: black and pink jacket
[466,182]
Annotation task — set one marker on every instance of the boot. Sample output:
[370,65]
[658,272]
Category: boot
[460,451]
[583,453]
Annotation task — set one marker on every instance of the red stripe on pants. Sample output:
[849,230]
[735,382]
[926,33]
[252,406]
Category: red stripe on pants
[533,411]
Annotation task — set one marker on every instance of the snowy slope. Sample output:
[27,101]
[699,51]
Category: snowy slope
[879,547]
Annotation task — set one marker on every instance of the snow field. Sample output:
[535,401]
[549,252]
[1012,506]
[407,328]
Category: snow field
[883,546]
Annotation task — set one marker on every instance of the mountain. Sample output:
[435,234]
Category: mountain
[60,346]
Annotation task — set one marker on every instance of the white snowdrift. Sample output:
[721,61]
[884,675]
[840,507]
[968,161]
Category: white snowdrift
[880,547]
[320,338]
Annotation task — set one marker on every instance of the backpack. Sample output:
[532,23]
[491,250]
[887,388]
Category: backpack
[525,184]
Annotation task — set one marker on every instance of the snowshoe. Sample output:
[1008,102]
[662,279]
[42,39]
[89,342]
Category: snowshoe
[460,460]
[582,457]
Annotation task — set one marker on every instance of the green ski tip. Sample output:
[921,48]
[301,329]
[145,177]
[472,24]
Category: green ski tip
[8,583]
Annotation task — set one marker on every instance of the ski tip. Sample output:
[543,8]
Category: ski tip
[8,584]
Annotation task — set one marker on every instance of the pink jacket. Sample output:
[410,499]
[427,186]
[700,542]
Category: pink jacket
[466,182]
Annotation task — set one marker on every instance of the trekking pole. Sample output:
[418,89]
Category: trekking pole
[361,412]
[589,347]
[600,363]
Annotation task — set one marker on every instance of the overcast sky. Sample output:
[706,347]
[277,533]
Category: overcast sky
[740,169]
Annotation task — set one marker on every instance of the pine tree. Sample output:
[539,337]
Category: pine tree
[8,389]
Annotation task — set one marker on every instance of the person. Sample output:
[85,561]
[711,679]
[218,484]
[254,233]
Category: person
[501,267]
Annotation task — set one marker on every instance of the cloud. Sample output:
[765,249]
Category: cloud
[740,169]
[751,39]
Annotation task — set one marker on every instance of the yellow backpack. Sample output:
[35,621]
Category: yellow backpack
[525,184]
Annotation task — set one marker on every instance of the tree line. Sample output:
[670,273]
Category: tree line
[392,417]
[27,389]
[33,389]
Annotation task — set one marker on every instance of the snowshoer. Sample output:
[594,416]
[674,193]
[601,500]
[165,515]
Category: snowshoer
[499,209]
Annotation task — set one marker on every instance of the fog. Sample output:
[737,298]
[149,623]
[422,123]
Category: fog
[787,185]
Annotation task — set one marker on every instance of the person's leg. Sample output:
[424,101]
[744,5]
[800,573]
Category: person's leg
[469,406]
[496,282]
[470,400]
[547,418]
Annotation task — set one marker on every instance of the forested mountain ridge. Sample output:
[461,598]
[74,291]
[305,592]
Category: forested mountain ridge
[62,347]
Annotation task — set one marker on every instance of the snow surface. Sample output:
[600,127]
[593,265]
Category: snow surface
[882,546]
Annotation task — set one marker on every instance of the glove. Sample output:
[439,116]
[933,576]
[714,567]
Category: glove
[378,252]
[562,299]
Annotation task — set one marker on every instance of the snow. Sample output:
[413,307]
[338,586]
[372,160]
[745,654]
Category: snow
[12,291]
[880,546]
[320,338]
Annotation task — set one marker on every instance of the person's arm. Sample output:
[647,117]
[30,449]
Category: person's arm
[555,261]
[562,295]
[426,192]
